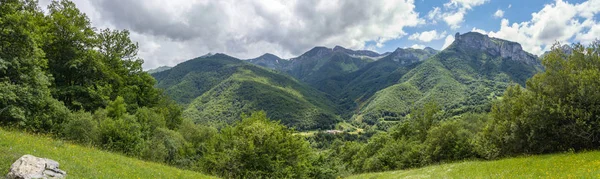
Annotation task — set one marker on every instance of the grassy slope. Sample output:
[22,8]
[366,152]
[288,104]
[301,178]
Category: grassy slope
[582,165]
[82,162]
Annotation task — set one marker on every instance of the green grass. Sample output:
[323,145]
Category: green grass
[581,165]
[82,162]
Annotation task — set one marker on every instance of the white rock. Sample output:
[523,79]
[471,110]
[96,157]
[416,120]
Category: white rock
[29,167]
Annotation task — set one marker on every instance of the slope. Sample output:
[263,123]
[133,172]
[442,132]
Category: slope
[82,162]
[218,89]
[568,165]
[464,77]
[353,89]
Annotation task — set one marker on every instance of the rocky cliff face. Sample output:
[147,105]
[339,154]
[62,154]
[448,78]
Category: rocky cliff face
[494,46]
[356,52]
[409,56]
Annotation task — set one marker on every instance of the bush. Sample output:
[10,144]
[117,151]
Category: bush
[122,135]
[258,148]
[448,142]
[81,128]
[165,146]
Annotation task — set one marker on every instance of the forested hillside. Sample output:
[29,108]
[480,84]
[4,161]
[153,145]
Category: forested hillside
[465,77]
[217,89]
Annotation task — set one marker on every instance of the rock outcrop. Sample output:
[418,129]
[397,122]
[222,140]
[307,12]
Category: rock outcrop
[29,167]
[494,46]
[407,56]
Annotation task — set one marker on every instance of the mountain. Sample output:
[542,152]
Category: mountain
[349,76]
[319,63]
[356,53]
[464,77]
[353,89]
[159,69]
[270,61]
[568,50]
[217,89]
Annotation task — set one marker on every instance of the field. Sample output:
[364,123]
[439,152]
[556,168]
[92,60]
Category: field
[567,165]
[82,162]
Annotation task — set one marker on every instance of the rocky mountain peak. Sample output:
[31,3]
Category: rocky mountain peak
[269,56]
[494,46]
[409,55]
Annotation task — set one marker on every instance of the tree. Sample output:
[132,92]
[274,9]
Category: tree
[559,109]
[258,148]
[25,98]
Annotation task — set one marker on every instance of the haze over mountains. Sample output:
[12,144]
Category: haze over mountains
[326,85]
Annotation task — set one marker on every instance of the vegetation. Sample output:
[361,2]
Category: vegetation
[82,162]
[460,79]
[61,77]
[219,88]
[565,165]
[557,111]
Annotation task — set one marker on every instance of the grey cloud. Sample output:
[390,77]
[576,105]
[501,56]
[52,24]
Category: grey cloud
[171,33]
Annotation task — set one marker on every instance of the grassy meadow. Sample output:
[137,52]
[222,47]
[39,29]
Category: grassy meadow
[82,162]
[566,165]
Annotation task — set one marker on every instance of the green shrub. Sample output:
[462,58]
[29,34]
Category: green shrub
[81,128]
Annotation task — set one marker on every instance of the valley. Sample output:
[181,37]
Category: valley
[298,89]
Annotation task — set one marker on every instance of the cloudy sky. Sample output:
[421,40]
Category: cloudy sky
[172,31]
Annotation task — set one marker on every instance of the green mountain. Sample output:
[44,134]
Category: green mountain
[321,63]
[350,77]
[353,89]
[270,61]
[159,69]
[464,77]
[217,89]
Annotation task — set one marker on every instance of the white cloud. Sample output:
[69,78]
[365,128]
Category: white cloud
[434,14]
[499,13]
[417,46]
[427,36]
[468,4]
[509,6]
[454,11]
[171,31]
[455,19]
[448,41]
[592,34]
[479,30]
[556,22]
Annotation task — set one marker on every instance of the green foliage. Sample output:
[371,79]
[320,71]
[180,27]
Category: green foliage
[83,162]
[117,109]
[561,165]
[82,128]
[165,146]
[423,138]
[258,148]
[222,88]
[460,79]
[558,110]
[122,135]
[25,99]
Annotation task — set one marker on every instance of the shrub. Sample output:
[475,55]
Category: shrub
[81,128]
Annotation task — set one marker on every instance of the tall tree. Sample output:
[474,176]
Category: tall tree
[72,60]
[24,94]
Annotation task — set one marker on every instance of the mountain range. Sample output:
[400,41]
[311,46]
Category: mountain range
[324,86]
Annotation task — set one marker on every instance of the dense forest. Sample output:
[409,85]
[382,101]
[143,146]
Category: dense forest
[61,76]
